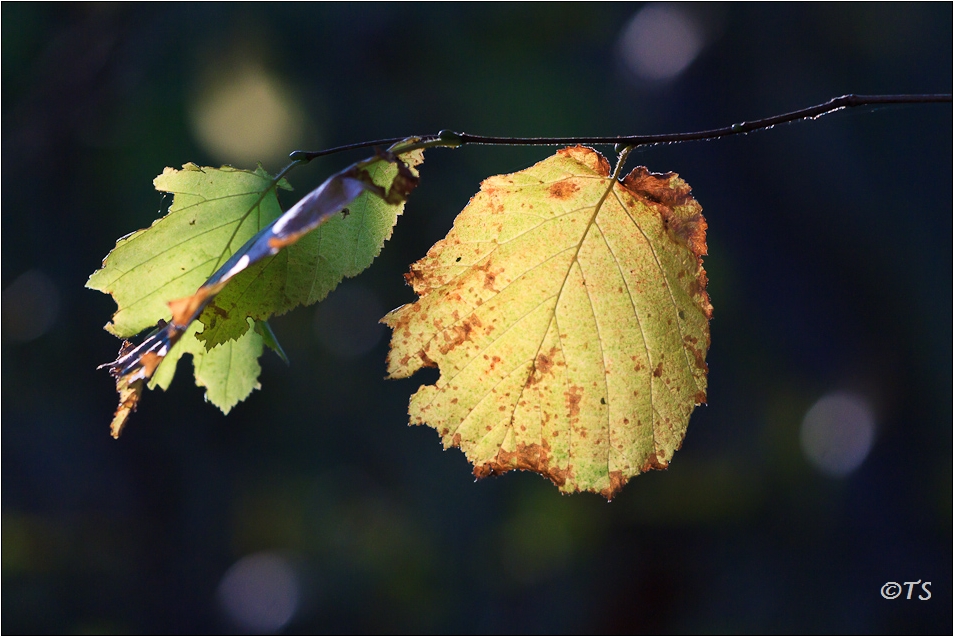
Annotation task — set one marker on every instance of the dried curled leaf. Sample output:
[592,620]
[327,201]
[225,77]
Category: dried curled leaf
[129,394]
[568,314]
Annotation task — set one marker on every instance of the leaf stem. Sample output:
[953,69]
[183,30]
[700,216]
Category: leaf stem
[450,139]
[621,161]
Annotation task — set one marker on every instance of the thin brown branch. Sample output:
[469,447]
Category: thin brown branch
[453,140]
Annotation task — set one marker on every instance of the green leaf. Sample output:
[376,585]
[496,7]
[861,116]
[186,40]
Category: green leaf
[213,213]
[568,315]
[305,272]
[225,235]
[229,372]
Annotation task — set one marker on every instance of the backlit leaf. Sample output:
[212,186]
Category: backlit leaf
[229,372]
[304,273]
[568,315]
[226,249]
[214,212]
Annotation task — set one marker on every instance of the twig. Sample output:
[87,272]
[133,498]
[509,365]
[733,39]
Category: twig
[451,139]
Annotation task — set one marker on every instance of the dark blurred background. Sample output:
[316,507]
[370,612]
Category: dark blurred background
[820,470]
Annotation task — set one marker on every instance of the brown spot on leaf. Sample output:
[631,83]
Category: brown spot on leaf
[459,334]
[490,275]
[562,189]
[658,371]
[698,354]
[573,397]
[544,363]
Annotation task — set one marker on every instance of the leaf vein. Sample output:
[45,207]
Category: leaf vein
[672,298]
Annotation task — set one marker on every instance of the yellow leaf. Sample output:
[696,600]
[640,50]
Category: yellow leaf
[569,317]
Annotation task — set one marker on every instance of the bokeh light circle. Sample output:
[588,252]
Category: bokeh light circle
[660,42]
[260,593]
[837,433]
